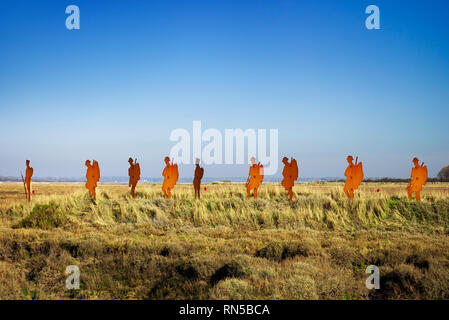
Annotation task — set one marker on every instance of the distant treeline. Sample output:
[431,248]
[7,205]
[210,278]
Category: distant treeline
[395,180]
[404,180]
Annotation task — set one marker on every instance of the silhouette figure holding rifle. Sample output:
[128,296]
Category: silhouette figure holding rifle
[170,174]
[134,175]
[354,177]
[290,174]
[418,179]
[27,181]
[92,176]
[255,178]
[199,172]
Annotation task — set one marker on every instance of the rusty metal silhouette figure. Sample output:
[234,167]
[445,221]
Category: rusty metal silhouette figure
[354,177]
[92,176]
[27,181]
[199,172]
[290,174]
[171,175]
[418,178]
[255,178]
[134,175]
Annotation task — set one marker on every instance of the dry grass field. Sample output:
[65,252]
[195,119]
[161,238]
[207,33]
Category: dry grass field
[224,246]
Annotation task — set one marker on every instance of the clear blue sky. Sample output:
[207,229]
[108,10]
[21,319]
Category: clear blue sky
[136,70]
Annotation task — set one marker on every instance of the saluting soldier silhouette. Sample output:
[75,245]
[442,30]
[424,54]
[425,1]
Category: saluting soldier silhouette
[418,178]
[255,178]
[170,174]
[28,175]
[92,176]
[134,175]
[199,172]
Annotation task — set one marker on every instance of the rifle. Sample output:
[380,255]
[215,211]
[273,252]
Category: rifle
[24,187]
[356,159]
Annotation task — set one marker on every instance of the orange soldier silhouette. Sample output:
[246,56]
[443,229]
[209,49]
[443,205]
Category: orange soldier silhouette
[354,176]
[290,174]
[418,178]
[171,175]
[134,175]
[199,172]
[92,176]
[255,178]
[28,174]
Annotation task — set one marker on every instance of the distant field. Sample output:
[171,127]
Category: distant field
[224,246]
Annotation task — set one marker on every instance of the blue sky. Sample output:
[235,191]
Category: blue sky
[136,70]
